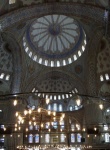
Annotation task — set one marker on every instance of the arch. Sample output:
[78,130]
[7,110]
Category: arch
[15,49]
[92,61]
[19,15]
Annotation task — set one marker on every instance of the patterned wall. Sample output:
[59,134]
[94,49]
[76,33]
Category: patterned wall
[103,58]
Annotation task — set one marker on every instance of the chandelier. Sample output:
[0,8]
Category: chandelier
[42,119]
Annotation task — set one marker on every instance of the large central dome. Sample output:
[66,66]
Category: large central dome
[54,40]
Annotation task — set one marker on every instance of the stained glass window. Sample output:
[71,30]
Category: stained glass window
[37,138]
[72,138]
[30,138]
[78,137]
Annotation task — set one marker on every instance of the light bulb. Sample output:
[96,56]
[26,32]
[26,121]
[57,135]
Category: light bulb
[15,129]
[25,112]
[16,114]
[30,122]
[19,128]
[33,118]
[16,125]
[101,106]
[95,128]
[15,102]
[63,115]
[54,113]
[39,110]
[84,129]
[49,130]
[34,123]
[42,125]
[30,111]
[49,112]
[48,123]
[26,129]
[54,118]
[20,118]
[61,119]
[22,121]
[4,129]
[47,101]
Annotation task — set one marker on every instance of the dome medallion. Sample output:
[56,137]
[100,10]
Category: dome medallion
[54,40]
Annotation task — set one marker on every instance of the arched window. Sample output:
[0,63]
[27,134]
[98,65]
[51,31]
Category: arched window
[58,63]
[2,75]
[106,76]
[78,137]
[40,60]
[47,125]
[79,53]
[47,138]
[64,62]
[70,108]
[107,137]
[55,97]
[69,60]
[31,127]
[59,96]
[52,63]
[60,107]
[101,78]
[55,106]
[62,138]
[76,90]
[37,138]
[30,139]
[36,127]
[30,54]
[7,77]
[75,57]
[55,124]
[76,107]
[72,138]
[83,48]
[49,107]
[26,49]
[46,62]
[105,127]
[62,124]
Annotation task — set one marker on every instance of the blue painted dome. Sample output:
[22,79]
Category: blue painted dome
[54,40]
